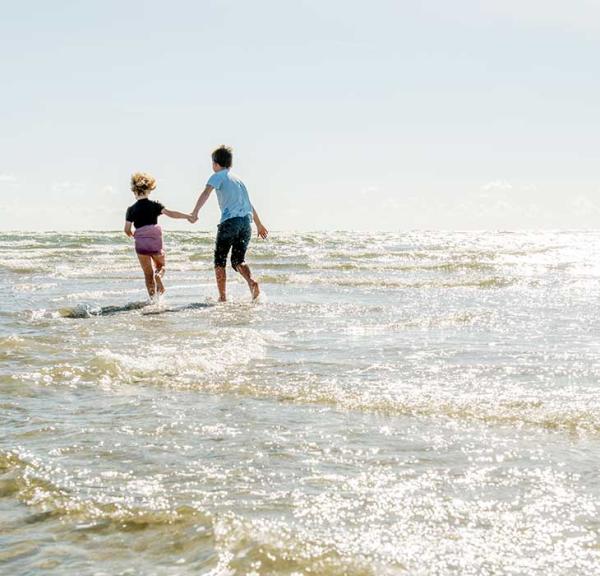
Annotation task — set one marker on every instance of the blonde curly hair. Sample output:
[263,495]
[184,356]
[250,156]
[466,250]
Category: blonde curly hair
[142,183]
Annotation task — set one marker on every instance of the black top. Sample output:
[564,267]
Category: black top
[144,212]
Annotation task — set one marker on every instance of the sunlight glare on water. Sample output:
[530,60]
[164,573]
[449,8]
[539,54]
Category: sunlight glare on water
[397,403]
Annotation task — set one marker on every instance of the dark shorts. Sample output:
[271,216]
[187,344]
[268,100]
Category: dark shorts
[233,234]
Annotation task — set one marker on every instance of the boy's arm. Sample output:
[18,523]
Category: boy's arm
[262,231]
[175,214]
[201,200]
[127,229]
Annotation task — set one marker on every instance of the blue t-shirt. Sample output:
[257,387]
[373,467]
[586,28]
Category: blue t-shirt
[232,194]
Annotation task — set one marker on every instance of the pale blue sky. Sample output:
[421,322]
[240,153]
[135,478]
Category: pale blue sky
[371,115]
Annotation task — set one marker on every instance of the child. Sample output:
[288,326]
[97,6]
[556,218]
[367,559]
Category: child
[234,230]
[148,234]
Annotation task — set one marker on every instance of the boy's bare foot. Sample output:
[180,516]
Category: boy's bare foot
[254,289]
[222,300]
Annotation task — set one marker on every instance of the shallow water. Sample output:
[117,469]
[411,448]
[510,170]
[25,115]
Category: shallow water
[418,403]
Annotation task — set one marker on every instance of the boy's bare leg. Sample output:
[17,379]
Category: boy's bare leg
[146,264]
[221,277]
[159,262]
[245,271]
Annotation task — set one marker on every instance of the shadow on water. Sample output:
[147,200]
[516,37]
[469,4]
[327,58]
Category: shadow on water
[89,311]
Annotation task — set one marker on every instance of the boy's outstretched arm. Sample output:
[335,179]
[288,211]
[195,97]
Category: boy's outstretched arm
[178,215]
[201,201]
[262,231]
[127,229]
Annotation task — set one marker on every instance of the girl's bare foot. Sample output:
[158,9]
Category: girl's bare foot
[158,279]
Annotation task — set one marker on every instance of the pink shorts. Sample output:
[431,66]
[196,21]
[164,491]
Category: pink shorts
[148,240]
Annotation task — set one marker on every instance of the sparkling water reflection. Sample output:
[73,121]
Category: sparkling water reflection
[419,403]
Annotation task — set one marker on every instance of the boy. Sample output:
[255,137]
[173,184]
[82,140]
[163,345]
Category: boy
[234,230]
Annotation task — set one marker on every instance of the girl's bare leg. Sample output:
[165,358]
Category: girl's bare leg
[146,264]
[159,263]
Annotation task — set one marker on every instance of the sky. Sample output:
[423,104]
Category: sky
[379,115]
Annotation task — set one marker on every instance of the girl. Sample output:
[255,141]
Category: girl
[148,234]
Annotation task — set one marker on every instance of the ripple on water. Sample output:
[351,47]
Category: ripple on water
[419,403]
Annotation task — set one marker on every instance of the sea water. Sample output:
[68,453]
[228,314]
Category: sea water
[396,403]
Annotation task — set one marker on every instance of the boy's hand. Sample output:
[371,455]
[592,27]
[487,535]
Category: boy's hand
[192,219]
[262,231]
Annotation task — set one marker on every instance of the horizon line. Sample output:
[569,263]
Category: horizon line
[307,231]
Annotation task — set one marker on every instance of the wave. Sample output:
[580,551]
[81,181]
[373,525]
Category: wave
[234,544]
[84,311]
[384,283]
[87,310]
[536,413]
[162,363]
[29,482]
[11,346]
[202,257]
[280,549]
[21,267]
[179,365]
[80,311]
[380,265]
[558,414]
[218,370]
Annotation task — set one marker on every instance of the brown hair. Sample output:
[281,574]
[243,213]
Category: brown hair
[223,156]
[142,183]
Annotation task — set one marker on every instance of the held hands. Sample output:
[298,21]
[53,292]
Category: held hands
[262,231]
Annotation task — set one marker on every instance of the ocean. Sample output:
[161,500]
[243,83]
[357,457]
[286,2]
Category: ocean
[421,403]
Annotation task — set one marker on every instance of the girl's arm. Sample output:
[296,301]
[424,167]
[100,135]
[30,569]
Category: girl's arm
[175,214]
[262,231]
[127,229]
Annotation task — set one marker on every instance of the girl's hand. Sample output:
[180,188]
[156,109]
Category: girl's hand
[192,219]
